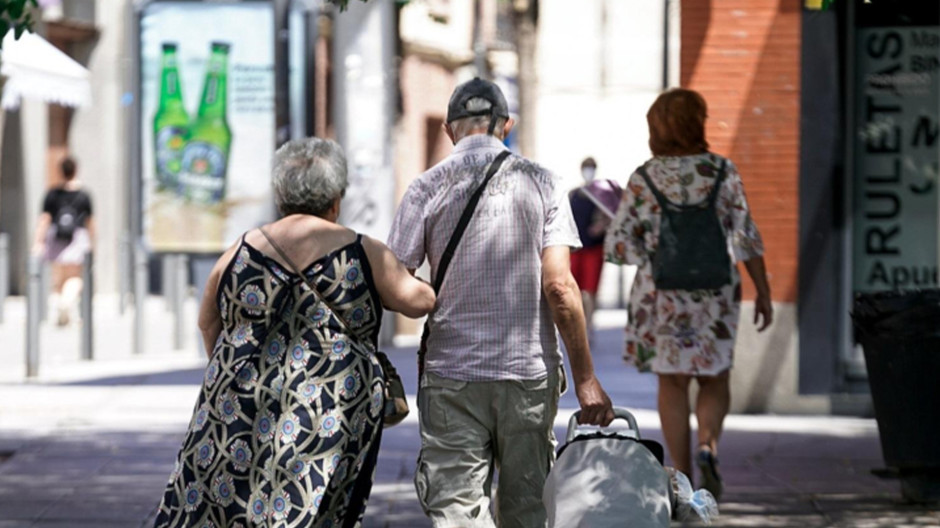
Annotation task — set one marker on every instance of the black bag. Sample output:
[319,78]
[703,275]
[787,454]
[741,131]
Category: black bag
[693,248]
[66,221]
[396,403]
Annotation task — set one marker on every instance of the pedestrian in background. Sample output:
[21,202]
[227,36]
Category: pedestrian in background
[493,372]
[65,234]
[680,334]
[593,205]
[287,425]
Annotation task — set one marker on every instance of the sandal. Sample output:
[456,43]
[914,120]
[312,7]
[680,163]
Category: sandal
[708,465]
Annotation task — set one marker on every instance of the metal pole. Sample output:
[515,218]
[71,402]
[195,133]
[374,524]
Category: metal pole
[180,284]
[168,281]
[665,80]
[124,271]
[281,72]
[140,294]
[33,307]
[479,47]
[4,271]
[88,292]
[44,285]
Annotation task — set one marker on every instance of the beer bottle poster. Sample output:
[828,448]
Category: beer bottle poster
[207,120]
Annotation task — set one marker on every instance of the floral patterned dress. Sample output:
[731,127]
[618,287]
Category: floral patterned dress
[676,331]
[286,429]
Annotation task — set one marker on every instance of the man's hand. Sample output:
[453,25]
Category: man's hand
[596,408]
[564,301]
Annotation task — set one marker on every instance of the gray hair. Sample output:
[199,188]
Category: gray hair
[309,175]
[462,127]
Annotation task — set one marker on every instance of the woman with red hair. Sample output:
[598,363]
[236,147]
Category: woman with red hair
[686,334]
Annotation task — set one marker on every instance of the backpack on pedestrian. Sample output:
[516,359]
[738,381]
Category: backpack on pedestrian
[66,220]
[693,248]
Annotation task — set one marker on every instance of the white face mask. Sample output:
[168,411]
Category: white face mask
[588,173]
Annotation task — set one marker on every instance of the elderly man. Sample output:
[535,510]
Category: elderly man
[493,373]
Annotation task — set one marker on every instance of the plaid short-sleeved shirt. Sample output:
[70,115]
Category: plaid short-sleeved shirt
[492,321]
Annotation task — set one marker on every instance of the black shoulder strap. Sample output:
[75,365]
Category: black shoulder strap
[67,197]
[663,201]
[465,220]
[313,289]
[713,195]
[660,197]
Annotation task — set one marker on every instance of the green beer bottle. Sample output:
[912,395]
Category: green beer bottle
[170,123]
[205,157]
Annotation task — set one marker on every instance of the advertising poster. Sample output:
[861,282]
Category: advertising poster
[207,118]
[897,118]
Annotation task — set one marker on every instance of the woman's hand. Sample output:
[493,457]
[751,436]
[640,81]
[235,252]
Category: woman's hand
[763,306]
[763,312]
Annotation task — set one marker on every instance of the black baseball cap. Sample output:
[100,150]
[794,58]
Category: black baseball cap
[476,87]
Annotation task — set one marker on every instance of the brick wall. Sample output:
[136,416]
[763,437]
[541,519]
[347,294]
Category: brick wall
[743,56]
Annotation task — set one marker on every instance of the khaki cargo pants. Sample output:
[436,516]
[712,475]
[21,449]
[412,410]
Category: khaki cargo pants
[470,429]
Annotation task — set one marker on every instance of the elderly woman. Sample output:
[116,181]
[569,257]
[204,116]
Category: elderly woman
[287,425]
[686,334]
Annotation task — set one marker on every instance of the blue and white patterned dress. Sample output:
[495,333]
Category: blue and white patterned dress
[287,426]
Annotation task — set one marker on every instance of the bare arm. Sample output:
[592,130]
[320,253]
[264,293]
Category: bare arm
[763,307]
[90,226]
[42,229]
[564,300]
[399,289]
[210,320]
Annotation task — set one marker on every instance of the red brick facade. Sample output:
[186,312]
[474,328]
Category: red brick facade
[743,56]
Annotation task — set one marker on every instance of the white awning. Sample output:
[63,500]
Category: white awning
[36,69]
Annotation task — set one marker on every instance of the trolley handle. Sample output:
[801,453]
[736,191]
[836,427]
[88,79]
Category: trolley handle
[619,412]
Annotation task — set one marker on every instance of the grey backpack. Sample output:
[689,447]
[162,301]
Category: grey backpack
[693,248]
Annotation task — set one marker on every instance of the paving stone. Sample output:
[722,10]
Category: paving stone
[113,509]
[82,471]
[25,508]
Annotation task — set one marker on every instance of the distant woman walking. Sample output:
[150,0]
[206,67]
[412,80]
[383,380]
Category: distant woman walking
[65,234]
[287,426]
[684,334]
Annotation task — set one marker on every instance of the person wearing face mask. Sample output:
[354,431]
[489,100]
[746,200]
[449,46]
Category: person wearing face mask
[594,205]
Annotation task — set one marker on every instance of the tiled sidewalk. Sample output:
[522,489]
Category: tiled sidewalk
[92,444]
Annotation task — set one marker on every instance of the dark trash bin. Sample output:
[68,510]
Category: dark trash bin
[900,335]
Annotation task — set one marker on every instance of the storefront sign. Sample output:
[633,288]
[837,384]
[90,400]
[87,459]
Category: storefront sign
[897,118]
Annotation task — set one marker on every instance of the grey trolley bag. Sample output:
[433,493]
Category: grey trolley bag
[608,478]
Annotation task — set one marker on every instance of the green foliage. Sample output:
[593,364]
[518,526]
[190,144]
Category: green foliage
[342,4]
[16,15]
[339,3]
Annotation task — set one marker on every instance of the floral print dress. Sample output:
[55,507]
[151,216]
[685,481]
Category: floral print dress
[677,331]
[286,429]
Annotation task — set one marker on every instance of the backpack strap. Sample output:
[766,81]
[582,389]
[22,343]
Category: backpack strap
[664,202]
[713,195]
[660,197]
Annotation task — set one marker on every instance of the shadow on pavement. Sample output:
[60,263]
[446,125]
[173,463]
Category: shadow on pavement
[172,377]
